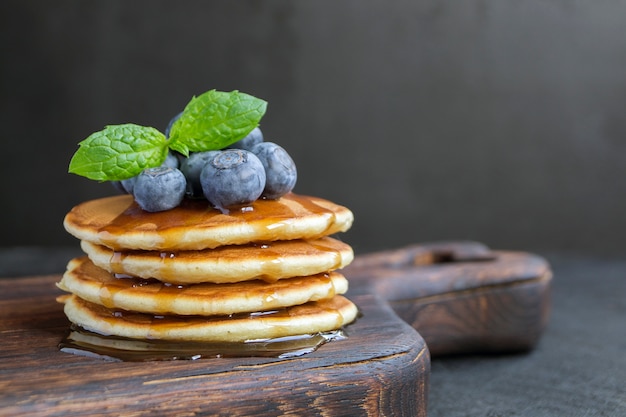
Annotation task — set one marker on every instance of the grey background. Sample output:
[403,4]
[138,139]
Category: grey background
[496,121]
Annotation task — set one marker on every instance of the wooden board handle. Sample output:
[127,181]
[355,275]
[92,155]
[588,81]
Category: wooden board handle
[461,297]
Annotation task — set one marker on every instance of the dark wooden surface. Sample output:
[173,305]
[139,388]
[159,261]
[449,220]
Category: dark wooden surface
[381,369]
[460,296]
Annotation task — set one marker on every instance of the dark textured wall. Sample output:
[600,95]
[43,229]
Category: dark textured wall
[498,121]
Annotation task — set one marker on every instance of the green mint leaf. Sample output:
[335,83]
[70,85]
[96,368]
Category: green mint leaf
[215,120]
[179,147]
[119,152]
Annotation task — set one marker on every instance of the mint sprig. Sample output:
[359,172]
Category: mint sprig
[215,120]
[118,152]
[210,121]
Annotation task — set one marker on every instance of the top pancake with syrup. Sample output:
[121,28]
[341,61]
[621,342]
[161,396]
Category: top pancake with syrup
[119,223]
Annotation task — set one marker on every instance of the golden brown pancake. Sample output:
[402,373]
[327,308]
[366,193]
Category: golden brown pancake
[312,317]
[263,271]
[270,262]
[119,223]
[98,286]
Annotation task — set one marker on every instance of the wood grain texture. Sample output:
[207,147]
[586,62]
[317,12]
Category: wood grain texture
[382,368]
[461,297]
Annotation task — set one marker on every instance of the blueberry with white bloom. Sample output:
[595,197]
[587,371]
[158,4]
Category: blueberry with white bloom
[251,139]
[159,189]
[171,160]
[280,169]
[233,177]
[191,167]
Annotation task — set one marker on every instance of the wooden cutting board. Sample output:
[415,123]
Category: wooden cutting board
[460,297]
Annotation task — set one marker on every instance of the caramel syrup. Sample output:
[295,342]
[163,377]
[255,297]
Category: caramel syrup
[163,296]
[113,348]
[269,262]
[267,218]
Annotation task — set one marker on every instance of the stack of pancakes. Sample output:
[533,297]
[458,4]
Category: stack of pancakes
[264,271]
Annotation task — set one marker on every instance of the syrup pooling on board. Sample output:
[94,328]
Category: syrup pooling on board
[191,225]
[86,343]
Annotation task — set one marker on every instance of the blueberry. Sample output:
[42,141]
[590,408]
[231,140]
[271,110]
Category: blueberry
[159,189]
[171,123]
[129,184]
[280,169]
[192,167]
[233,177]
[171,160]
[254,137]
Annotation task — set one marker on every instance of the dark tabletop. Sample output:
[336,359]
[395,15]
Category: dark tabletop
[577,369]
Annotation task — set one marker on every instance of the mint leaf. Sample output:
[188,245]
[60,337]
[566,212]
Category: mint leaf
[215,120]
[210,121]
[119,152]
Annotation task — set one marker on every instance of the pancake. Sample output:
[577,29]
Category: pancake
[270,262]
[119,223]
[98,286]
[312,317]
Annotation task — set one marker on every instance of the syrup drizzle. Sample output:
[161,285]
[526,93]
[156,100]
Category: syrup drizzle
[269,262]
[163,296]
[268,219]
